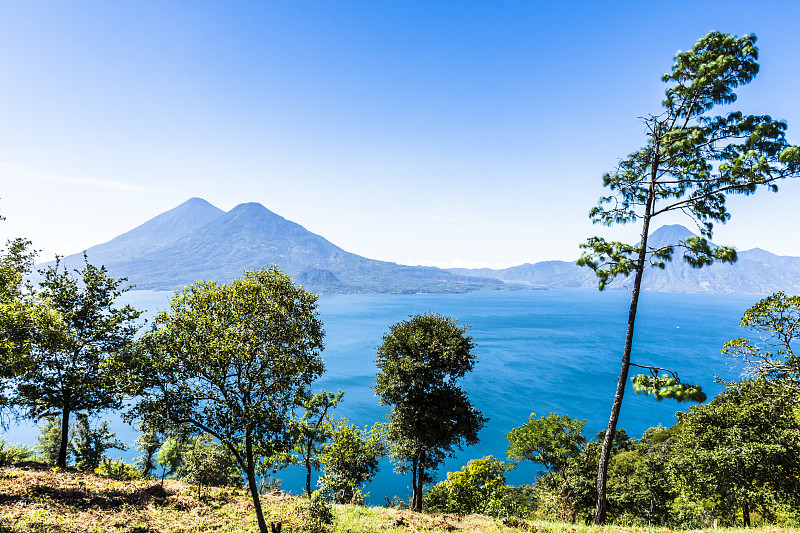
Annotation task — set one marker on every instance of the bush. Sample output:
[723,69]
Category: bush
[15,453]
[315,513]
[49,440]
[208,463]
[117,470]
[479,487]
[350,460]
[89,444]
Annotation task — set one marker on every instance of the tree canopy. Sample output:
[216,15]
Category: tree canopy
[691,162]
[25,319]
[775,320]
[231,360]
[740,449]
[419,364]
[70,366]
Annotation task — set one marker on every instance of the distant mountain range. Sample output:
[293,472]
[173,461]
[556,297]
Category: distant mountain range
[197,240]
[756,272]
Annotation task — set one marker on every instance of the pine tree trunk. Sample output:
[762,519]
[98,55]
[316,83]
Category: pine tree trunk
[622,380]
[62,450]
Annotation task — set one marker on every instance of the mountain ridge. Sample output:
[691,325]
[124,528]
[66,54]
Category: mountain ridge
[197,241]
[757,271]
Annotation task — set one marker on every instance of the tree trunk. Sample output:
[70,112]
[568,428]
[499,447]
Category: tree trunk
[308,475]
[414,463]
[420,483]
[62,450]
[746,512]
[622,381]
[251,483]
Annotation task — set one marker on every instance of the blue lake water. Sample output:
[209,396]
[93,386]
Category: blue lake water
[538,351]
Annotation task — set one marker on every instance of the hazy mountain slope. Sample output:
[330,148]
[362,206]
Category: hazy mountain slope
[756,272]
[176,249]
[156,232]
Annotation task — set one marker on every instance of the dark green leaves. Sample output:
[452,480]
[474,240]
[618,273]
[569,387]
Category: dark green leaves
[419,364]
[706,75]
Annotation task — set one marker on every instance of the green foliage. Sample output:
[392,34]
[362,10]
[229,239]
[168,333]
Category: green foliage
[170,457]
[88,445]
[149,442]
[316,514]
[690,164]
[70,370]
[312,429]
[206,463]
[49,440]
[549,440]
[231,360]
[117,470]
[350,460]
[552,441]
[479,487]
[667,386]
[640,490]
[740,452]
[15,453]
[419,363]
[25,320]
[776,321]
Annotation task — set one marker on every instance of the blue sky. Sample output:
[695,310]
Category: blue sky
[447,133]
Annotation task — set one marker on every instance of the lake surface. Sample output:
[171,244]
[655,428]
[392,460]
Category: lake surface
[555,351]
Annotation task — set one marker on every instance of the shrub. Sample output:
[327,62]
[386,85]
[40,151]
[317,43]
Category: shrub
[89,444]
[315,513]
[208,463]
[15,453]
[117,470]
[479,487]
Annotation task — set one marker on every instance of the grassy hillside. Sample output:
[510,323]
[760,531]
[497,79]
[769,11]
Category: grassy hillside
[34,498]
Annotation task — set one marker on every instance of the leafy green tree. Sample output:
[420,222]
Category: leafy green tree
[48,443]
[571,493]
[776,321]
[479,487]
[740,451]
[231,360]
[691,162]
[170,457]
[640,489]
[419,363]
[350,459]
[311,430]
[69,370]
[88,445]
[24,319]
[148,442]
[548,440]
[551,441]
[207,463]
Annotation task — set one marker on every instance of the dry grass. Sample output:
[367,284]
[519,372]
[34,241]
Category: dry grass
[34,498]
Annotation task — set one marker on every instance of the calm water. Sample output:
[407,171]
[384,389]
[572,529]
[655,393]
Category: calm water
[538,351]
